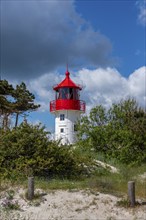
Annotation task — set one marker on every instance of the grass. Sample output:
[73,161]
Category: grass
[116,183]
[101,180]
[61,184]
[8,203]
[126,203]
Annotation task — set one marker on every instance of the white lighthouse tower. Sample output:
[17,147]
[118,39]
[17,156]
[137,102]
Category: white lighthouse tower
[67,108]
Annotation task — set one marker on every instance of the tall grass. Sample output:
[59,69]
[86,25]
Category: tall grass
[116,183]
[101,180]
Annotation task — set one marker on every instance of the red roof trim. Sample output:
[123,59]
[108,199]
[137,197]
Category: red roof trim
[67,82]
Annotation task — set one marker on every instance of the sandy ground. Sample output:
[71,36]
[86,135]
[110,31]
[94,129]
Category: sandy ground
[71,205]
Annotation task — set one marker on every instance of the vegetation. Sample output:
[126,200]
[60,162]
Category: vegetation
[116,136]
[119,132]
[27,151]
[14,101]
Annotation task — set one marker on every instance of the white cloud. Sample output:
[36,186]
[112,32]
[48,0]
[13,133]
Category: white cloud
[137,85]
[42,87]
[101,86]
[141,4]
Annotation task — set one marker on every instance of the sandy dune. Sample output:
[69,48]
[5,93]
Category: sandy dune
[72,205]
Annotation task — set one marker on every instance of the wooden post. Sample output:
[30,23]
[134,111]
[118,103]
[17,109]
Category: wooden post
[131,193]
[30,188]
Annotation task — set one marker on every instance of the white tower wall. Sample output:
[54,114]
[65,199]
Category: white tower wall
[65,121]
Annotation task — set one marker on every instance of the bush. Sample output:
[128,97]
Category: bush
[118,132]
[27,150]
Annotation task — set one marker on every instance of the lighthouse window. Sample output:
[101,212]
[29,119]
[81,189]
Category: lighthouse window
[65,93]
[57,94]
[76,94]
[62,117]
[62,93]
[70,93]
[62,130]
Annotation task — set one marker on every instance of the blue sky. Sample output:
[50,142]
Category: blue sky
[118,20]
[103,41]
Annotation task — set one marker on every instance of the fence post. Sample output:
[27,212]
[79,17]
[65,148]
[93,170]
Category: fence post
[30,188]
[131,193]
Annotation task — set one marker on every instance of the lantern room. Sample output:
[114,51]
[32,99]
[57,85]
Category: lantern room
[67,96]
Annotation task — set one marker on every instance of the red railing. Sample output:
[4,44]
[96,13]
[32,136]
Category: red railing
[67,104]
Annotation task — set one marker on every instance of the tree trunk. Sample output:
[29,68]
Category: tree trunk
[16,122]
[5,121]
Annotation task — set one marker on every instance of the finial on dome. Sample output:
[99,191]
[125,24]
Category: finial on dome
[67,72]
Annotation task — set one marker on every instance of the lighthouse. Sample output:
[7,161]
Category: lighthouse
[67,108]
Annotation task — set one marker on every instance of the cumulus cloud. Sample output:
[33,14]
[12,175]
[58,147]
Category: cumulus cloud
[137,85]
[141,4]
[42,87]
[100,86]
[39,36]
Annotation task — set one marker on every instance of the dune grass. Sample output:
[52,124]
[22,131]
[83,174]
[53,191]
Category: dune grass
[102,181]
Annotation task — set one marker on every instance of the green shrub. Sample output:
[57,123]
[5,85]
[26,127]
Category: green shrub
[27,150]
[118,132]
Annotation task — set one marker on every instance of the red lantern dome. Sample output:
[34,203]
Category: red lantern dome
[67,96]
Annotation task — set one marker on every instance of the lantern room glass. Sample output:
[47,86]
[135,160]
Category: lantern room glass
[68,93]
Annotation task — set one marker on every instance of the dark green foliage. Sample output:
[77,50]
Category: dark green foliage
[27,150]
[119,132]
[14,101]
[5,88]
[6,105]
[24,101]
[90,126]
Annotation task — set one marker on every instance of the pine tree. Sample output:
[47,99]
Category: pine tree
[14,101]
[24,101]
[6,104]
